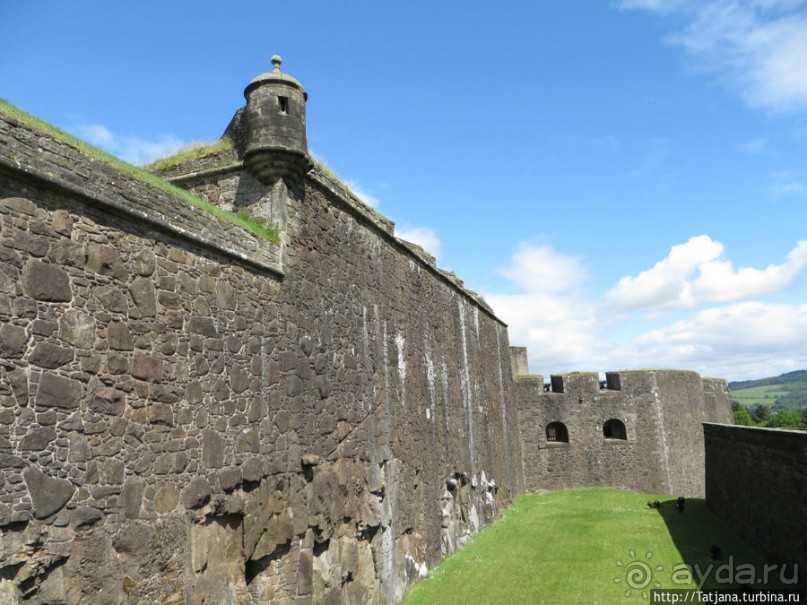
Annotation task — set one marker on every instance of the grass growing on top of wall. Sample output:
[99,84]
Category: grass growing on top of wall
[267,232]
[585,546]
[191,152]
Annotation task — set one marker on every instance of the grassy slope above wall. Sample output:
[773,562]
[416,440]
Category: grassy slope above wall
[267,232]
[583,546]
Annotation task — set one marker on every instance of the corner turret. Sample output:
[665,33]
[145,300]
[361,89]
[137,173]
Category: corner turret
[276,144]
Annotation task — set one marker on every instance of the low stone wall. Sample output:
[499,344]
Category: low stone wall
[756,481]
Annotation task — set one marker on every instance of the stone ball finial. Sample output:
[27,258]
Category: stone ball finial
[276,61]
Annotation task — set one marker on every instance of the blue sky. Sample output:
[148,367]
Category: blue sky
[625,181]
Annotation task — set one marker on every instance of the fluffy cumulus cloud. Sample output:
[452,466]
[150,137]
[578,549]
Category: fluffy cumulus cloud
[551,316]
[695,272]
[756,48]
[749,339]
[692,309]
[134,150]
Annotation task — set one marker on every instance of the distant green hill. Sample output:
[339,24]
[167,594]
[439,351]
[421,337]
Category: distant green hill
[785,392]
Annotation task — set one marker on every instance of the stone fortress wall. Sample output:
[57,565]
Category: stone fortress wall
[178,421]
[189,413]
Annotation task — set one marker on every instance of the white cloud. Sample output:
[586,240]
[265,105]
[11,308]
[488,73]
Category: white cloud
[425,237]
[754,146]
[541,269]
[670,283]
[784,183]
[565,329]
[134,150]
[745,339]
[551,317]
[666,285]
[756,48]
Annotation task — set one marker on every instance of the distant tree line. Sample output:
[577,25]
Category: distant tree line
[763,415]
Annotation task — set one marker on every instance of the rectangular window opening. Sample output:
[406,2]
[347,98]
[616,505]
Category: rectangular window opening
[283,102]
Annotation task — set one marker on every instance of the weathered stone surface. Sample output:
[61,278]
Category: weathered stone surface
[212,449]
[144,262]
[111,298]
[37,439]
[229,478]
[79,449]
[19,204]
[48,495]
[146,367]
[85,517]
[204,326]
[196,493]
[47,355]
[77,328]
[248,442]
[119,337]
[107,400]
[161,414]
[166,498]
[47,282]
[252,470]
[131,496]
[58,392]
[105,260]
[144,296]
[13,340]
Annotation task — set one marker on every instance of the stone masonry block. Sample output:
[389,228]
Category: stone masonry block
[48,495]
[56,391]
[13,340]
[46,282]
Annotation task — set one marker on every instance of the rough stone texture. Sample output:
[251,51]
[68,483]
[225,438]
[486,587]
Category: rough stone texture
[661,411]
[751,469]
[48,495]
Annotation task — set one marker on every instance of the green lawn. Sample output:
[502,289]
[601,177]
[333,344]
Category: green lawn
[585,546]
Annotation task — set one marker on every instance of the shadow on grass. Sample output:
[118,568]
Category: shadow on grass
[715,556]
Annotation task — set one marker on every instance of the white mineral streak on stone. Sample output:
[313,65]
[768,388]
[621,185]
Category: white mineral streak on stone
[476,322]
[465,383]
[503,406]
[446,424]
[430,411]
[420,569]
[392,589]
[662,434]
[399,344]
[473,519]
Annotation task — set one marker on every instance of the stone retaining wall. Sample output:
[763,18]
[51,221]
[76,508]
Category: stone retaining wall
[756,481]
